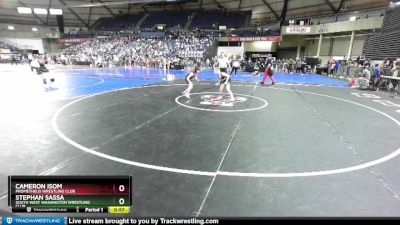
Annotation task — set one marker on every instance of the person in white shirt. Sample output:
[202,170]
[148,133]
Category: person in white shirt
[208,62]
[35,65]
[362,79]
[235,66]
[223,63]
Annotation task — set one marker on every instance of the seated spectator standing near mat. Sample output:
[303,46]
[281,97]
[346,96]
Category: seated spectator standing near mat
[395,73]
[268,70]
[376,77]
[298,66]
[367,75]
[13,59]
[332,67]
[361,81]
[257,68]
[192,75]
[337,64]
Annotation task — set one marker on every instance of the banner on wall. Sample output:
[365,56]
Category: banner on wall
[323,29]
[53,35]
[298,29]
[74,30]
[72,40]
[266,38]
[256,55]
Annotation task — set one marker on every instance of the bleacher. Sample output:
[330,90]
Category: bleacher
[118,23]
[385,43]
[169,19]
[10,47]
[214,19]
[203,19]
[391,21]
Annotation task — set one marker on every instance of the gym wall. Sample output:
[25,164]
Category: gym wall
[336,47]
[231,50]
[260,46]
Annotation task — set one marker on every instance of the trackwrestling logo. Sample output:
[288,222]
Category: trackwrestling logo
[218,100]
[32,220]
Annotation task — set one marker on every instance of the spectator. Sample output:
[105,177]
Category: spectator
[178,48]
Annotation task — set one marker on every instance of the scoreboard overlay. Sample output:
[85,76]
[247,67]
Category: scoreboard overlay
[89,194]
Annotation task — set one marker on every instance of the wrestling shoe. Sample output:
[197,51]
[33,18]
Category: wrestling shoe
[187,95]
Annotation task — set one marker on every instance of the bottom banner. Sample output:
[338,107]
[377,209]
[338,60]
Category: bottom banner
[136,221]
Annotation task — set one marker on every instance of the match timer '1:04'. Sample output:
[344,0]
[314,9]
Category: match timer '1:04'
[96,194]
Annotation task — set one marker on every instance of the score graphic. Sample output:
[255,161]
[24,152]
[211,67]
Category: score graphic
[89,194]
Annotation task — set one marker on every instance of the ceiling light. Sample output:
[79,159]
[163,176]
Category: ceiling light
[11,27]
[34,29]
[56,11]
[40,11]
[24,10]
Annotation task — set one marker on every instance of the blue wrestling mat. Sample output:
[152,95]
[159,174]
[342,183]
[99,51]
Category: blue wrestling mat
[78,82]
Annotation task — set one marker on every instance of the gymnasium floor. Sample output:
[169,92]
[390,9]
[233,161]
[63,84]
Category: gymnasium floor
[307,146]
